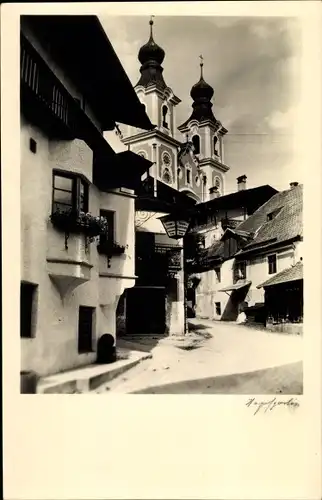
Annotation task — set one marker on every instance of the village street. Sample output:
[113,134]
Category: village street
[215,358]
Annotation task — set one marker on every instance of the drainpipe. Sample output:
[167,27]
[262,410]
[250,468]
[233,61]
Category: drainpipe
[154,160]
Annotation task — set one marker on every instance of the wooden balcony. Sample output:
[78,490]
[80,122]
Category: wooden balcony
[44,100]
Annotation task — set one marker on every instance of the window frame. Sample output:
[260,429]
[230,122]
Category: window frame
[269,263]
[164,114]
[110,216]
[240,265]
[32,313]
[215,143]
[77,182]
[216,307]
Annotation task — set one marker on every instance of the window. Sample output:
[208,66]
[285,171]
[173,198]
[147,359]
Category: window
[27,309]
[239,271]
[188,174]
[218,308]
[69,193]
[272,264]
[218,274]
[33,145]
[196,144]
[166,159]
[166,176]
[109,236]
[164,117]
[273,214]
[215,146]
[85,329]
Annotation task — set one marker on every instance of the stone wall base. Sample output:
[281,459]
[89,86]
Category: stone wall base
[288,328]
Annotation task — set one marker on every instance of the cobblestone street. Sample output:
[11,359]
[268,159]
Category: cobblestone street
[234,360]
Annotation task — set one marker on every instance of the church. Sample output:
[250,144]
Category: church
[187,169]
[187,157]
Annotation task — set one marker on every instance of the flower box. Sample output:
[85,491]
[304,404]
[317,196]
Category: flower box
[79,222]
[110,248]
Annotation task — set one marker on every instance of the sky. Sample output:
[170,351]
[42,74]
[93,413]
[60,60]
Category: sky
[252,63]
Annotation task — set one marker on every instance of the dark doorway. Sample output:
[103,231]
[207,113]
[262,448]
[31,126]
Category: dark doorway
[85,329]
[146,310]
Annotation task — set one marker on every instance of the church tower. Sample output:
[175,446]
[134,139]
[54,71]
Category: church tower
[206,134]
[159,145]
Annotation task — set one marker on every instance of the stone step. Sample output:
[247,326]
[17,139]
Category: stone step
[88,378]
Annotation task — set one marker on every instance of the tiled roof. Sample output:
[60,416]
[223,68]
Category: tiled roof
[292,273]
[286,225]
[215,251]
[247,198]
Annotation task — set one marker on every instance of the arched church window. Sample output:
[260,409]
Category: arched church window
[216,145]
[204,180]
[166,176]
[166,159]
[164,116]
[196,144]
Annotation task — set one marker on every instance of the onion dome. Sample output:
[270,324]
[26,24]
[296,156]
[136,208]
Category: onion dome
[151,51]
[201,90]
[151,57]
[201,94]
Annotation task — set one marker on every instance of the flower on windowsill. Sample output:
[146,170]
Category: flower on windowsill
[72,221]
[110,248]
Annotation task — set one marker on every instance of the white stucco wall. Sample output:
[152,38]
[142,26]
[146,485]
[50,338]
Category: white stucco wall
[55,344]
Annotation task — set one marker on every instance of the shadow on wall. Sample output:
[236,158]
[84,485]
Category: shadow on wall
[236,299]
[120,329]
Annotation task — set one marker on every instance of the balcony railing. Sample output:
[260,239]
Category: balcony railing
[43,96]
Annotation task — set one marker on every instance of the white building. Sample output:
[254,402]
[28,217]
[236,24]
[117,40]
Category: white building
[74,188]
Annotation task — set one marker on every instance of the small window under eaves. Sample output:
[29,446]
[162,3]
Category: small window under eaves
[272,215]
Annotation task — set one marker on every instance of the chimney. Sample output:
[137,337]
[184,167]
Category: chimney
[293,184]
[213,192]
[241,182]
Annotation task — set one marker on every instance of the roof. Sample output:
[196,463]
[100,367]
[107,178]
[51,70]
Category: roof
[248,198]
[81,47]
[167,198]
[237,232]
[293,273]
[216,250]
[236,286]
[124,169]
[285,226]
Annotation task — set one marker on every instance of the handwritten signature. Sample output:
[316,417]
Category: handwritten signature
[267,406]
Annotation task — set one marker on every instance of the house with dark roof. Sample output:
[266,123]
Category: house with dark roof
[77,193]
[284,300]
[209,222]
[257,249]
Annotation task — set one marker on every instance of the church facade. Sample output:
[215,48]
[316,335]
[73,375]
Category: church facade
[187,166]
[188,157]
